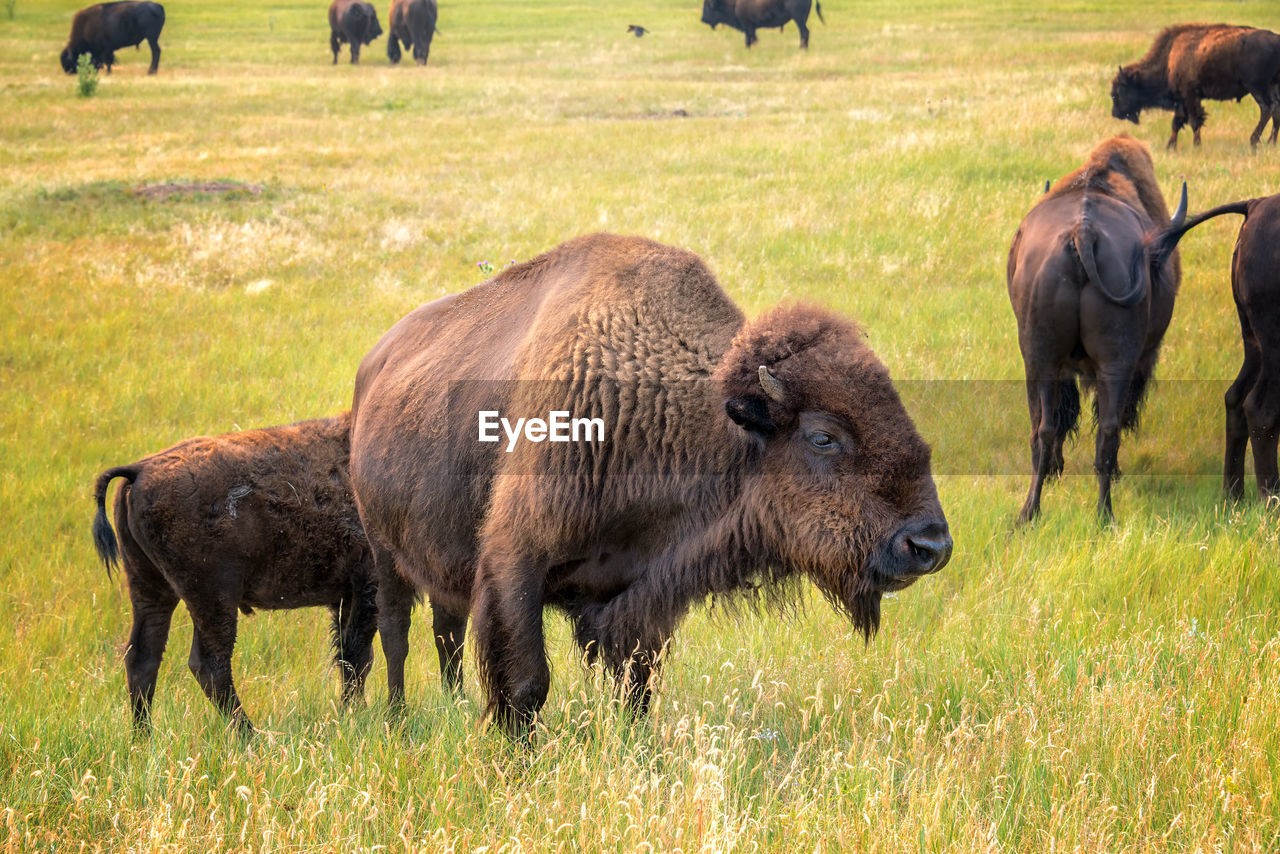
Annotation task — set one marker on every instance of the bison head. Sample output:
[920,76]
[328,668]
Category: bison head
[716,12]
[373,29]
[1126,97]
[68,60]
[844,492]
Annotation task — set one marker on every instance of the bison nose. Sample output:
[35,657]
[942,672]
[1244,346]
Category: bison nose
[927,546]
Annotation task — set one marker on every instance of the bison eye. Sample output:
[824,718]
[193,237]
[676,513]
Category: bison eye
[823,443]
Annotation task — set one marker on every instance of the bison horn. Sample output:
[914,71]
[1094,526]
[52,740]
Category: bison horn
[1180,215]
[771,386]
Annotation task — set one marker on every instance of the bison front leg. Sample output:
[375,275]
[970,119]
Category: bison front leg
[449,630]
[354,625]
[393,49]
[751,35]
[506,607]
[1179,120]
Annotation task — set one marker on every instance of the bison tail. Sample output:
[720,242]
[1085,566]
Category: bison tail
[1083,239]
[104,537]
[1161,244]
[817,7]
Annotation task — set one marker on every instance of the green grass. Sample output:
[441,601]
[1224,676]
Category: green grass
[1065,687]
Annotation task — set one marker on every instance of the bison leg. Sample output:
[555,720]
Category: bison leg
[751,36]
[1196,116]
[804,35]
[393,49]
[1262,409]
[212,642]
[1179,119]
[335,46]
[449,630]
[154,44]
[355,51]
[355,622]
[1042,403]
[152,613]
[511,652]
[1237,426]
[395,612]
[1111,394]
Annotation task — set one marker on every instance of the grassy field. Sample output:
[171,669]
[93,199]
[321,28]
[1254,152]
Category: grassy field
[1064,687]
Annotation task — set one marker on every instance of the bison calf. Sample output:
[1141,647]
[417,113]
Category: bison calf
[99,30]
[1253,400]
[1091,300]
[259,519]
[414,23]
[1188,63]
[352,22]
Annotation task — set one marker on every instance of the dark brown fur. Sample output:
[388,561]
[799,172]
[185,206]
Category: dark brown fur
[1091,300]
[704,484]
[259,519]
[747,16]
[101,29]
[1188,63]
[414,23]
[1253,400]
[352,22]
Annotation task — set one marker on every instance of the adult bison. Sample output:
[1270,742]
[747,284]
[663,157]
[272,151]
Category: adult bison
[1191,62]
[729,455]
[259,519]
[352,22]
[414,23]
[100,29]
[1092,300]
[747,16]
[1253,400]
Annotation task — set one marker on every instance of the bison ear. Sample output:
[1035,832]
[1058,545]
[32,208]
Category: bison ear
[751,412]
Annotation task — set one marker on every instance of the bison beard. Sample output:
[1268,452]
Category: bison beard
[739,457]
[1092,295]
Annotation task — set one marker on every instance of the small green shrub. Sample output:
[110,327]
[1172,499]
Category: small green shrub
[86,76]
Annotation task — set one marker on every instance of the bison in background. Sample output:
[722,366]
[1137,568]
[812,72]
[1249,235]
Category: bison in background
[1191,62]
[735,456]
[99,30]
[747,16]
[1092,300]
[414,23]
[352,22]
[1253,400]
[259,519]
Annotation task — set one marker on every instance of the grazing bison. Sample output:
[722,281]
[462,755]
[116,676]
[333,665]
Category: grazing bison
[352,22]
[1191,62]
[99,30]
[1091,300]
[747,16]
[730,456]
[260,519]
[1253,400]
[414,23]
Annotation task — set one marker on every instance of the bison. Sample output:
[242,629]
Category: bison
[731,456]
[352,22]
[1191,62]
[100,29]
[1253,400]
[414,23]
[747,16]
[258,519]
[1092,300]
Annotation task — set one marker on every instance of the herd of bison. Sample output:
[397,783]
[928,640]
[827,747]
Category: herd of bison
[740,454]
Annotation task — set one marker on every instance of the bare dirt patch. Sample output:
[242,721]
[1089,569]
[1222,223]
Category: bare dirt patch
[202,188]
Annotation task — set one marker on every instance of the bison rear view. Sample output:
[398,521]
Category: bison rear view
[721,456]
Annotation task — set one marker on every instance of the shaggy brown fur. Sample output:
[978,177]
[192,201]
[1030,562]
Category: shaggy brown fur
[260,519]
[414,23]
[1253,400]
[708,482]
[352,22]
[1188,63]
[101,29]
[1091,300]
[747,16]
